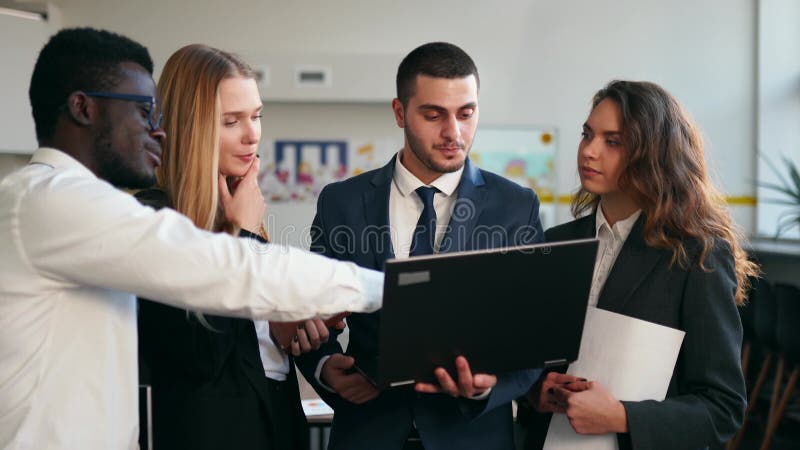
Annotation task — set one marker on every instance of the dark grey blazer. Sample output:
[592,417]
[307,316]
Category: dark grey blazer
[706,398]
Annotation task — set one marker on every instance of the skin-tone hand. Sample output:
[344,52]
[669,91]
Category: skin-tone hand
[302,337]
[245,207]
[351,386]
[468,384]
[542,394]
[337,321]
[594,410]
[299,337]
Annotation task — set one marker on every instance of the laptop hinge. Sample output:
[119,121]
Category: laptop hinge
[555,363]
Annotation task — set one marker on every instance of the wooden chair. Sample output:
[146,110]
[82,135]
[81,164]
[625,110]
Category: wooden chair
[788,335]
[758,322]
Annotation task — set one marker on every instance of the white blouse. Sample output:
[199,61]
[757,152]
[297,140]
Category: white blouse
[611,240]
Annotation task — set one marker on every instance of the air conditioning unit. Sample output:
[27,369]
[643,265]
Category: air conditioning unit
[358,78]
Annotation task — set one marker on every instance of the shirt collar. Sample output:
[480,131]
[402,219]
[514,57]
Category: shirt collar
[621,229]
[59,160]
[407,183]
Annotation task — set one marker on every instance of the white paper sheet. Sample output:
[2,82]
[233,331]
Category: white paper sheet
[632,358]
[316,407]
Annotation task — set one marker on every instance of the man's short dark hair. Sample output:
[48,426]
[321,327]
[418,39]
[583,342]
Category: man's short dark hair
[435,59]
[78,59]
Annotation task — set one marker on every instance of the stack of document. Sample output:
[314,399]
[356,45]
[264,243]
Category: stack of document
[632,358]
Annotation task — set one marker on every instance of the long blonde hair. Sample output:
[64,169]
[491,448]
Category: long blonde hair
[665,173]
[189,92]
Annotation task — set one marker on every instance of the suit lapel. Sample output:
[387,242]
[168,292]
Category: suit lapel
[376,211]
[584,229]
[466,211]
[635,262]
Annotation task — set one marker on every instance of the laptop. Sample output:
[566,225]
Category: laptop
[503,309]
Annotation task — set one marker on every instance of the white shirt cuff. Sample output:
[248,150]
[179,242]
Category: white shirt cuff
[482,396]
[372,285]
[318,374]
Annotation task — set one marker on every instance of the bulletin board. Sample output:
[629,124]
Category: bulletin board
[296,170]
[524,154]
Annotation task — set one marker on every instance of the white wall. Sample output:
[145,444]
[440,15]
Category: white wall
[22,39]
[540,62]
[778,102]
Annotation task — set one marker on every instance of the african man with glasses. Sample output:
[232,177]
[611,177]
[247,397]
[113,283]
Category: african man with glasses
[151,111]
[75,251]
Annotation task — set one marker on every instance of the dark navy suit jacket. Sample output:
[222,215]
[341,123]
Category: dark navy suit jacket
[352,224]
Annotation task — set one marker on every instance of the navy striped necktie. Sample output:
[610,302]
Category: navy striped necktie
[425,232]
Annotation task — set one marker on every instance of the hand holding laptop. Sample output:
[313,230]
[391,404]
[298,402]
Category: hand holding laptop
[338,374]
[525,286]
[468,384]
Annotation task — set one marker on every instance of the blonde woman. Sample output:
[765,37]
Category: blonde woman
[218,382]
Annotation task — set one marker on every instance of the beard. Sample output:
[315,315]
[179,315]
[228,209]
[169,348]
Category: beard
[419,150]
[113,167]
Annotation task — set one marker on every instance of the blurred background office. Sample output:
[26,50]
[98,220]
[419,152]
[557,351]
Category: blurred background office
[327,77]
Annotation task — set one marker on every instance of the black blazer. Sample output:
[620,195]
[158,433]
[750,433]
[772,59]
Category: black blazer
[706,397]
[209,389]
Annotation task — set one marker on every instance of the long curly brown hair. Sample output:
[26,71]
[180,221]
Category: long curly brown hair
[665,174]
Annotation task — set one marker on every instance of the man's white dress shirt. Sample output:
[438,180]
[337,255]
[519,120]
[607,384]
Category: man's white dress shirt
[405,206]
[74,253]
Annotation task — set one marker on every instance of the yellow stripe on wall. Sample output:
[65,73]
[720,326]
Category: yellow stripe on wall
[740,200]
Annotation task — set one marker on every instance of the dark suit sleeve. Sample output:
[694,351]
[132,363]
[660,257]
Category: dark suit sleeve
[509,387]
[711,401]
[534,224]
[307,363]
[531,231]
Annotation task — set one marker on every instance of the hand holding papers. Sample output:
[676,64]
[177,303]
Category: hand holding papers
[592,410]
[631,358]
[543,395]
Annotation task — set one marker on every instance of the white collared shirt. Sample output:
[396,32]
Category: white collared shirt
[74,253]
[611,241]
[405,206]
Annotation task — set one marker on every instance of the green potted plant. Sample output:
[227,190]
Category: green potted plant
[790,190]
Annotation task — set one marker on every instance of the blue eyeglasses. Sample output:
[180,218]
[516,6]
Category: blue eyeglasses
[154,114]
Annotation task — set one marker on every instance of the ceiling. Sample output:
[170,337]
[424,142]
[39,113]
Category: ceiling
[38,7]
